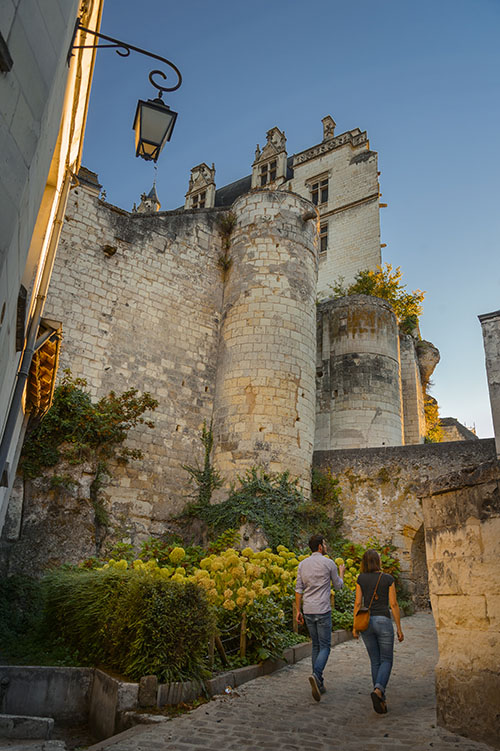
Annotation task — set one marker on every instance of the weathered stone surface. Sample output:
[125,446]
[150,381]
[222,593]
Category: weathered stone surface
[22,726]
[428,357]
[264,395]
[467,702]
[462,532]
[490,323]
[61,693]
[358,382]
[148,691]
[381,490]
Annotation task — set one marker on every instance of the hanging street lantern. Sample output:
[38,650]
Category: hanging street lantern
[153,124]
[154,120]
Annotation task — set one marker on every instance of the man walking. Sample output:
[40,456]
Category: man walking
[312,590]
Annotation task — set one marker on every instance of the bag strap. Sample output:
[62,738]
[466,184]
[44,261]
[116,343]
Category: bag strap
[375,590]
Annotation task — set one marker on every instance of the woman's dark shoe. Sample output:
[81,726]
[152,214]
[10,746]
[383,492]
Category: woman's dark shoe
[379,704]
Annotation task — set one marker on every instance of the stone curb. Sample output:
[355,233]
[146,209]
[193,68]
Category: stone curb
[25,727]
[190,690]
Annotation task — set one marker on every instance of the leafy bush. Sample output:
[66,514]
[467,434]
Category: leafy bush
[434,431]
[272,502]
[385,283]
[76,429]
[390,564]
[325,512]
[342,620]
[23,638]
[344,600]
[135,623]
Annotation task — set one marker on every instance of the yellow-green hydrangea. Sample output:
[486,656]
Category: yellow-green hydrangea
[177,555]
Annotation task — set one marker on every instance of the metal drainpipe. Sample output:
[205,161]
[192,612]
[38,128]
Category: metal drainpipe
[29,351]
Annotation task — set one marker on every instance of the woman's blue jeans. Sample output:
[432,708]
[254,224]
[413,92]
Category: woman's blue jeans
[320,631]
[379,641]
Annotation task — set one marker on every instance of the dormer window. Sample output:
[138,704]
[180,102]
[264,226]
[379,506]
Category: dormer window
[198,200]
[319,192]
[268,173]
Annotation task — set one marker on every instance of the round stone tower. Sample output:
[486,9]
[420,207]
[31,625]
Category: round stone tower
[264,411]
[359,400]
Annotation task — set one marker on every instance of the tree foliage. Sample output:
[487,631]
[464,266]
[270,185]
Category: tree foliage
[77,429]
[386,283]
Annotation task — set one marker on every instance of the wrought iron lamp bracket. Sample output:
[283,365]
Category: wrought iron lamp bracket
[124,49]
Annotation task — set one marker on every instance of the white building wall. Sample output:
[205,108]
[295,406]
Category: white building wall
[43,105]
[352,209]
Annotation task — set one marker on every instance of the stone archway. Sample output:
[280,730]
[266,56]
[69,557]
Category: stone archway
[418,570]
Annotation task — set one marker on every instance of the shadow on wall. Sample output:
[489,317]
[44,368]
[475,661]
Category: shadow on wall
[418,570]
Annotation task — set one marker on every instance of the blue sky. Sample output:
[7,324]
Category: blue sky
[421,77]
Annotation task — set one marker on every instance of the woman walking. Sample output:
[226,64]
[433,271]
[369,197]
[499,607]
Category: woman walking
[379,589]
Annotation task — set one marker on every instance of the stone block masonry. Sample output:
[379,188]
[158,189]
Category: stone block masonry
[358,374]
[140,299]
[381,491]
[264,407]
[462,532]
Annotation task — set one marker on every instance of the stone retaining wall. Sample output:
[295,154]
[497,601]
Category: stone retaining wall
[462,531]
[381,490]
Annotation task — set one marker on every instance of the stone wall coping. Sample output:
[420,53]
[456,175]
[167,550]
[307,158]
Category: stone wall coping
[486,472]
[355,301]
[488,316]
[477,451]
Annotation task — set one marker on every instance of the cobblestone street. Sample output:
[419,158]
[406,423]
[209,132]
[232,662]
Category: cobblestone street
[278,712]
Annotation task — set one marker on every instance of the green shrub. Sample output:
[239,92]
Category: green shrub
[76,429]
[23,640]
[342,621]
[274,503]
[386,550]
[131,622]
[344,600]
[386,283]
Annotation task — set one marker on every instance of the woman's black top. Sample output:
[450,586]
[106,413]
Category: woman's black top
[380,604]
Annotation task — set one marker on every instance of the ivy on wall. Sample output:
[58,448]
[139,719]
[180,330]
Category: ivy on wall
[271,502]
[77,430]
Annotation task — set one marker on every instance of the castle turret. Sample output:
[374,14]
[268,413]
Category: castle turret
[359,403]
[264,401]
[149,203]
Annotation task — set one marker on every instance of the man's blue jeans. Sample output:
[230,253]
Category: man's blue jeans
[379,641]
[320,631]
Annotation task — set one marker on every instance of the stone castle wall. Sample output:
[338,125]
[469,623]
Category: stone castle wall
[352,210]
[462,532]
[140,299]
[264,407]
[381,490]
[358,374]
[491,336]
[412,392]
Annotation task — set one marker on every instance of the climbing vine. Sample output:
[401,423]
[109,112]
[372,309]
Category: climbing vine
[272,502]
[77,430]
[225,223]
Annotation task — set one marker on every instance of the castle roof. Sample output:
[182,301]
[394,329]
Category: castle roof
[152,195]
[226,195]
[452,422]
